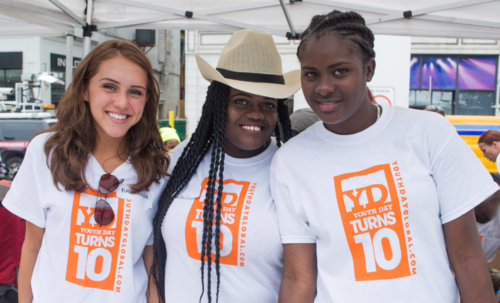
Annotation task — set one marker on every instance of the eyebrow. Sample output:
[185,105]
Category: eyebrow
[112,80]
[250,96]
[329,66]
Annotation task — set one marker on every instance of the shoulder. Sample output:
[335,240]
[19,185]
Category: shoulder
[425,124]
[176,153]
[40,139]
[299,147]
[301,140]
[37,144]
[412,116]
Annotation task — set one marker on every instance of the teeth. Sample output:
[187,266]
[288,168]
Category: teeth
[116,116]
[252,128]
[329,103]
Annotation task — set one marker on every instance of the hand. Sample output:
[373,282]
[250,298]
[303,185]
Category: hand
[498,297]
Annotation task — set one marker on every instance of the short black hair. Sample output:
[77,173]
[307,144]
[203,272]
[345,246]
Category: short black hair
[348,25]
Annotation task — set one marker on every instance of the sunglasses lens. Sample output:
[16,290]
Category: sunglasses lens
[103,214]
[108,184]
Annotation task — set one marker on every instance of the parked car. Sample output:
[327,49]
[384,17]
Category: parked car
[16,130]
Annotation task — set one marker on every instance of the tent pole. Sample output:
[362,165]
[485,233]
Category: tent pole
[88,34]
[69,60]
[288,18]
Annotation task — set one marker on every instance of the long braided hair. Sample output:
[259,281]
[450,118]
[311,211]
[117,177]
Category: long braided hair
[210,133]
[348,25]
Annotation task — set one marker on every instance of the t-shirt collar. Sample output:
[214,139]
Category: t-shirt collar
[97,171]
[269,152]
[387,112]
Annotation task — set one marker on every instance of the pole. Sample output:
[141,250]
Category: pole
[430,89]
[288,19]
[88,34]
[69,60]
[171,117]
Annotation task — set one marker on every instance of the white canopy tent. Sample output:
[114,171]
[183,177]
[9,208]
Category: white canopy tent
[444,18]
[477,19]
[11,27]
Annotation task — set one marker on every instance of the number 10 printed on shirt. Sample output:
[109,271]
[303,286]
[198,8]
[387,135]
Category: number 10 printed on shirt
[96,253]
[236,204]
[372,217]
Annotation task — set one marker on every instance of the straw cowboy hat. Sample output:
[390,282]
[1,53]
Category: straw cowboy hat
[251,63]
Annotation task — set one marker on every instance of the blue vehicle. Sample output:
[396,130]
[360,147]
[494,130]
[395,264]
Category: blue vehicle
[16,130]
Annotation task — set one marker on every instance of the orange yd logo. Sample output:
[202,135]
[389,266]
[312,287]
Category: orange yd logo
[93,249]
[234,219]
[371,215]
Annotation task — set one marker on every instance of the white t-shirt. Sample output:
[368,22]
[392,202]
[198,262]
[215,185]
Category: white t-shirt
[489,234]
[374,203]
[78,260]
[251,261]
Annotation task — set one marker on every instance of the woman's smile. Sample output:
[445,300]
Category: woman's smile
[117,117]
[251,120]
[253,129]
[328,105]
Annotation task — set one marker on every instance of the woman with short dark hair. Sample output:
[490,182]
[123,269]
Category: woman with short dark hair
[375,203]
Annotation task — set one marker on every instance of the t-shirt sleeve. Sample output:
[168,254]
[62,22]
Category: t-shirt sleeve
[175,154]
[462,181]
[151,238]
[163,182]
[23,198]
[293,225]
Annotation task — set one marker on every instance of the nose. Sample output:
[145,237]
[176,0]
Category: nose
[255,113]
[325,87]
[121,100]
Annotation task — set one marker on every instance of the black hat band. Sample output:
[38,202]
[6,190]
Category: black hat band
[251,77]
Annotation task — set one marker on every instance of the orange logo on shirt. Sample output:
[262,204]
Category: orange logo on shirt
[93,250]
[371,214]
[234,219]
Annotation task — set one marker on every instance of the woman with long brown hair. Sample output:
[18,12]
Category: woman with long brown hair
[88,186]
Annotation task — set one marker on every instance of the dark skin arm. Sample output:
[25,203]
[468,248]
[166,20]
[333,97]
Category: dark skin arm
[468,260]
[152,293]
[298,284]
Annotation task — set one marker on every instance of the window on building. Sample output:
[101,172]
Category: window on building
[58,69]
[462,85]
[475,103]
[9,78]
[57,90]
[420,99]
[11,66]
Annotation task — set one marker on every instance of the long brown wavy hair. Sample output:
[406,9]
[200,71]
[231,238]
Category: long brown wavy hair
[75,135]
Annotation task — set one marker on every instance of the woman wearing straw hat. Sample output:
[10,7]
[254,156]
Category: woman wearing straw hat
[233,223]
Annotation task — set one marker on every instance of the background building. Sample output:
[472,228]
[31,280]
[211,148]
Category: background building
[463,73]
[32,55]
